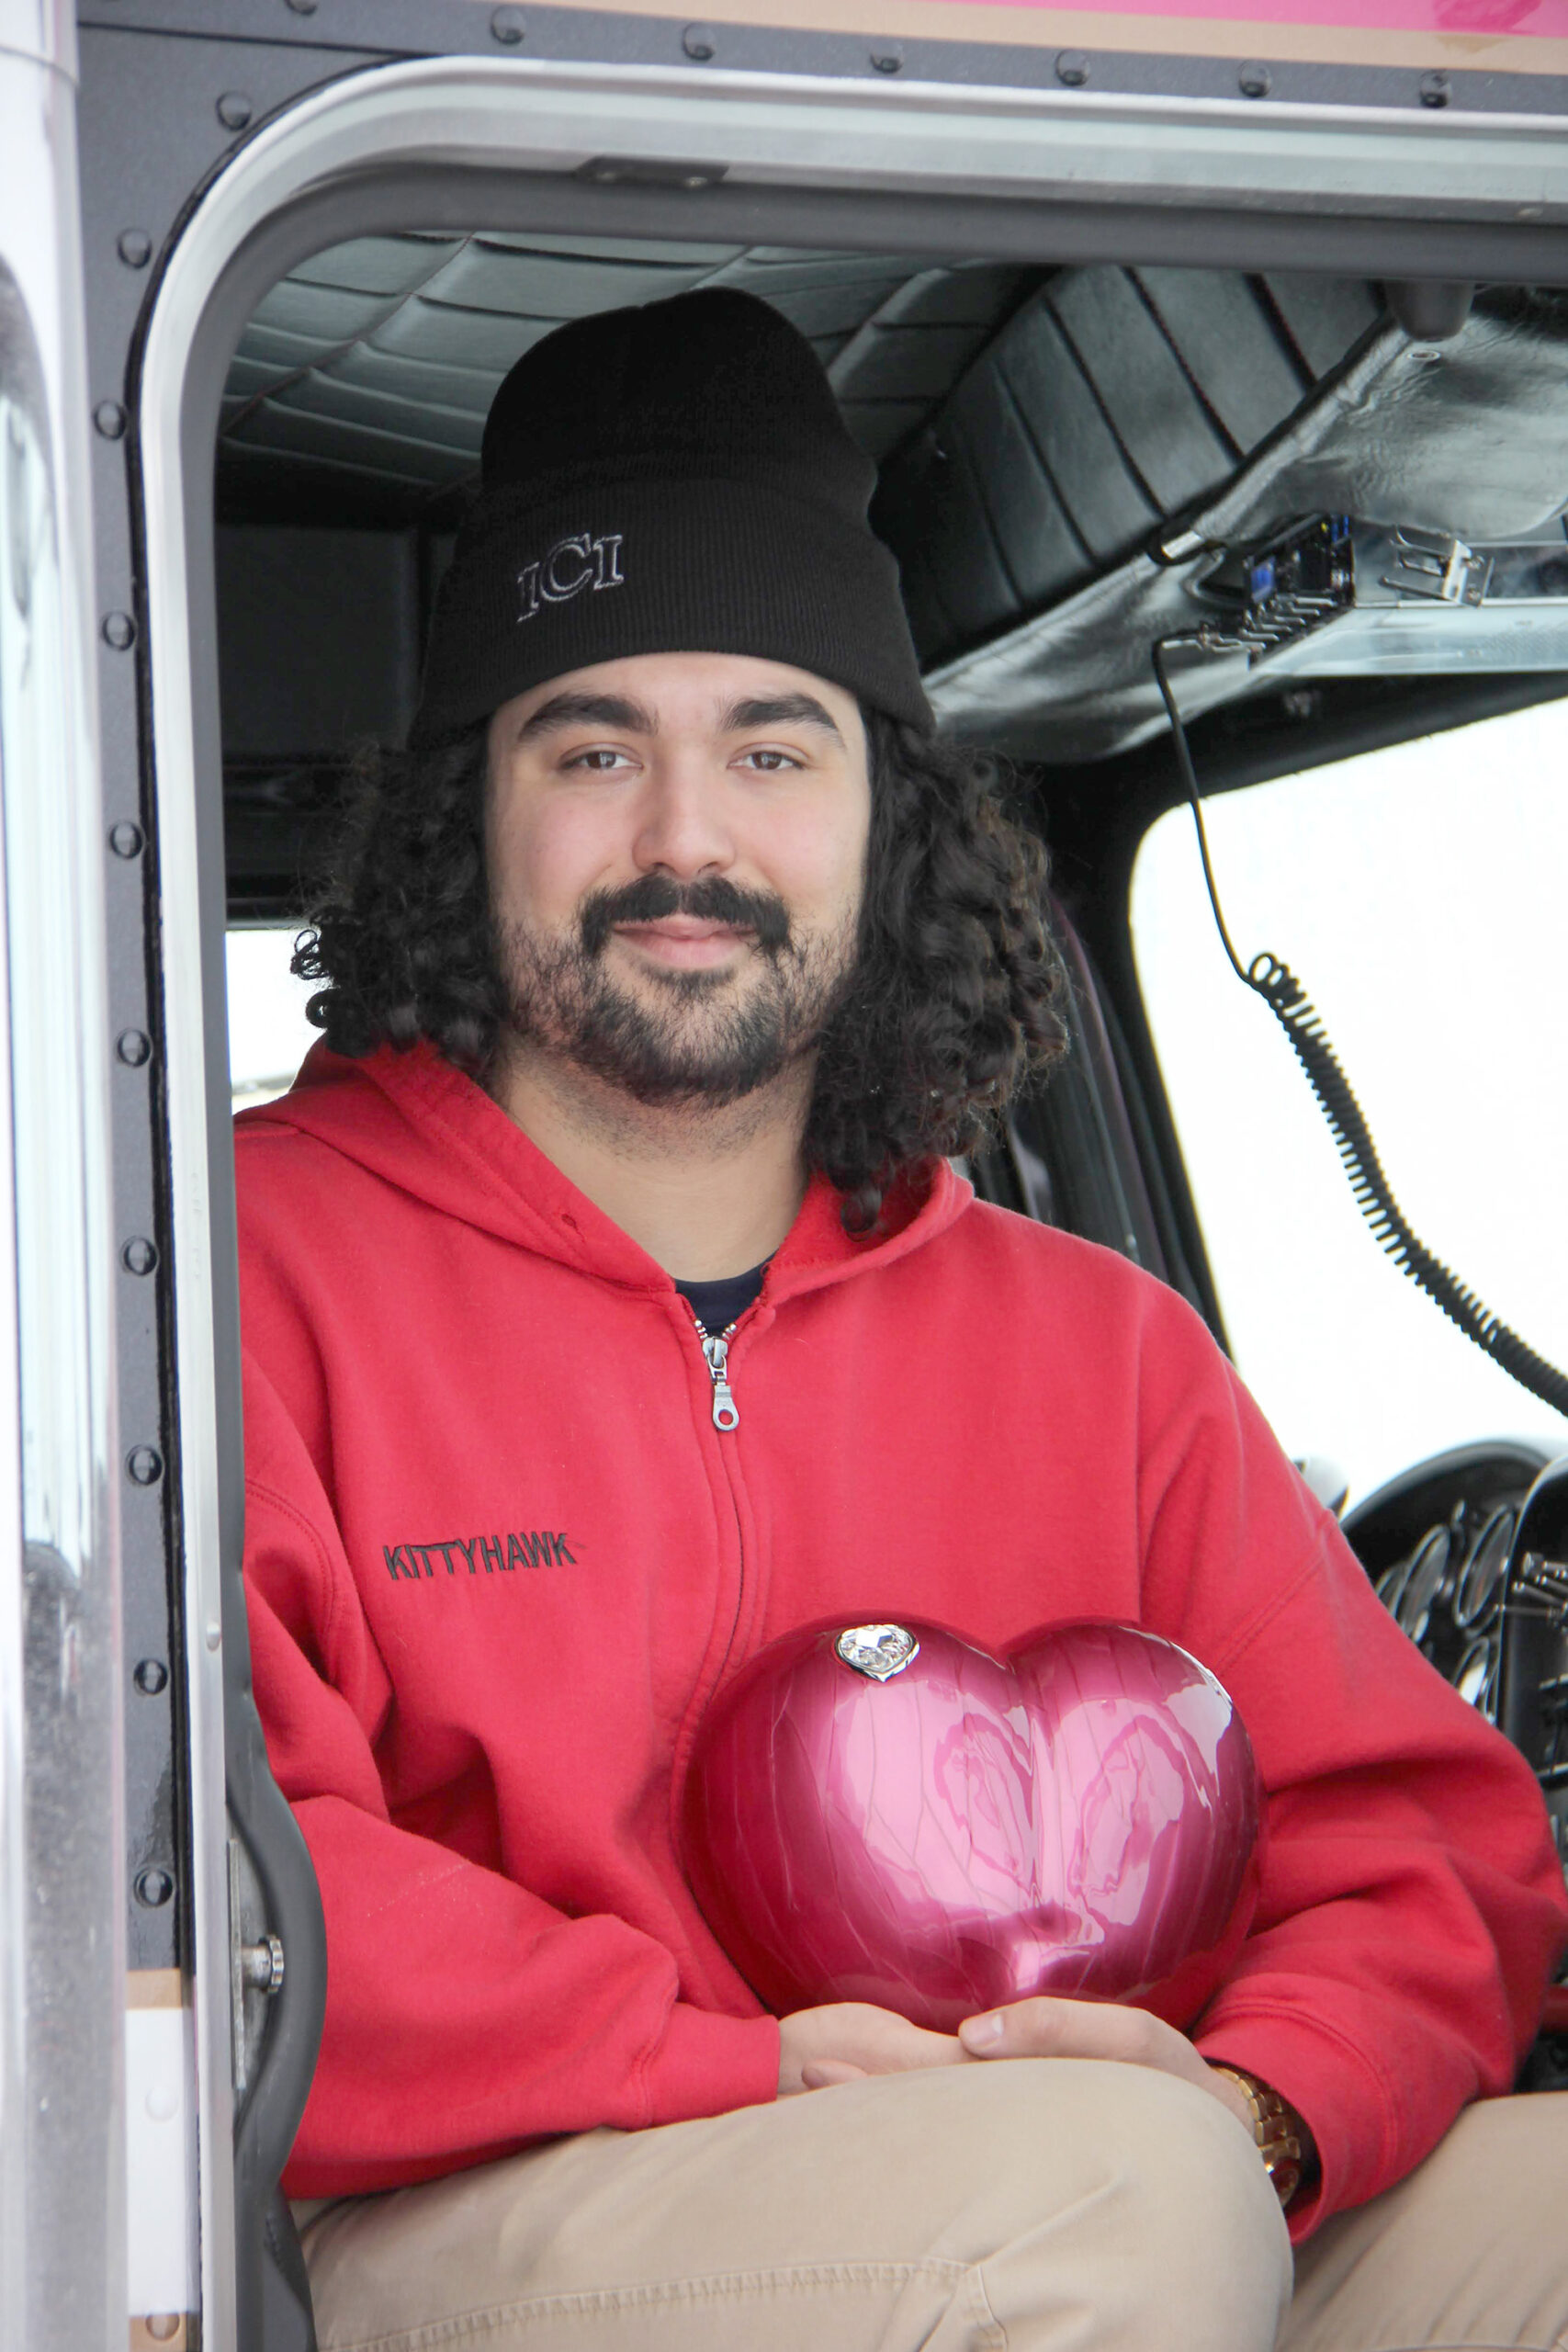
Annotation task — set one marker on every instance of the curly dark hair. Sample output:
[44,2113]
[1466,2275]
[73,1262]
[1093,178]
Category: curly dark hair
[951,1007]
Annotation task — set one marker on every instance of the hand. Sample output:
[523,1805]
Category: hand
[1053,2028]
[844,2040]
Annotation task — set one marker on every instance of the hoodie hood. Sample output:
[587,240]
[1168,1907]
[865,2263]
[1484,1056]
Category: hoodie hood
[418,1124]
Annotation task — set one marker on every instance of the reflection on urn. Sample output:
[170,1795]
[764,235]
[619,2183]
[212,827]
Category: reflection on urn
[884,1812]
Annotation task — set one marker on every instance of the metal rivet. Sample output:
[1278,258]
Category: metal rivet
[134,1047]
[153,1887]
[126,839]
[135,248]
[214,1636]
[699,41]
[1254,80]
[163,2327]
[110,419]
[1072,68]
[506,27]
[119,630]
[139,1256]
[235,110]
[1433,89]
[150,1676]
[261,1966]
[145,1465]
[888,59]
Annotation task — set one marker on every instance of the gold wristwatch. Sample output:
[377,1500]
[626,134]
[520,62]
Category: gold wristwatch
[1278,2130]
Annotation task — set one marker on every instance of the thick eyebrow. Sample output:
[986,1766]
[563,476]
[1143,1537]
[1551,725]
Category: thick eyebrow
[777,710]
[569,709]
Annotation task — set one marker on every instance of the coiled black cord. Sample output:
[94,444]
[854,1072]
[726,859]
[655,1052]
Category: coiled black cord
[1298,1016]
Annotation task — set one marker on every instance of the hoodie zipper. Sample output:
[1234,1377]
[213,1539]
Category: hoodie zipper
[715,1355]
[731,1595]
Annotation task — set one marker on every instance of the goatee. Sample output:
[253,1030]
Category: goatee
[685,1036]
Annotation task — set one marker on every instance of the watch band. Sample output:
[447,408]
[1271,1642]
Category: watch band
[1276,2130]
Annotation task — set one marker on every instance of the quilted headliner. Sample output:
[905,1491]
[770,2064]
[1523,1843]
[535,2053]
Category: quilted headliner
[1040,434]
[376,360]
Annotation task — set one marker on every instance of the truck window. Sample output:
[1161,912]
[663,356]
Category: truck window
[1415,892]
[269,1033]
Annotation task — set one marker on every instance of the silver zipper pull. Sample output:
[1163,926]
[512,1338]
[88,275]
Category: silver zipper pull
[715,1353]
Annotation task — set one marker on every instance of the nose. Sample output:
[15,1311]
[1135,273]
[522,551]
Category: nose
[683,828]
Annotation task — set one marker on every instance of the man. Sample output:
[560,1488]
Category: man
[611,1309]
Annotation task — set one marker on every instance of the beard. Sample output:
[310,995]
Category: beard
[711,1037]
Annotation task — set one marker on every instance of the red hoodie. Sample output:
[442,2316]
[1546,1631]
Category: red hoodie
[499,1559]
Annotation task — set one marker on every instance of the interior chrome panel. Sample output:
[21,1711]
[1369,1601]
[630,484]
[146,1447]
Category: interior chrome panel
[1465,439]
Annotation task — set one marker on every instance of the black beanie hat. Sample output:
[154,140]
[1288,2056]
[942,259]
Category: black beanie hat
[674,478]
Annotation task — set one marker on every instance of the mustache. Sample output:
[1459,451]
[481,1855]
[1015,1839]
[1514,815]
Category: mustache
[654,897]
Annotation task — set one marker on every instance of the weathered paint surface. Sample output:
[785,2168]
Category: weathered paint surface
[1541,19]
[1499,36]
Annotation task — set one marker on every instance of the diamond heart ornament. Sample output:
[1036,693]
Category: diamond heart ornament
[883,1812]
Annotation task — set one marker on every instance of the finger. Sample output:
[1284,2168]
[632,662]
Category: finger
[1048,2026]
[821,2073]
[909,2047]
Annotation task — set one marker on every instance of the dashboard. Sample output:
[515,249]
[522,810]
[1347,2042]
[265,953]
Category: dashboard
[1469,1554]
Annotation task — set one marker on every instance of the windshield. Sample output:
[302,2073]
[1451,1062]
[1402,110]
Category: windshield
[1417,895]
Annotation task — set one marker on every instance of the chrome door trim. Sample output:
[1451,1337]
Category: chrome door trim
[44,31]
[62,2039]
[767,130]
[14,2083]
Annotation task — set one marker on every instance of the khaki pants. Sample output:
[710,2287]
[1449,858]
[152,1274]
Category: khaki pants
[1025,2206]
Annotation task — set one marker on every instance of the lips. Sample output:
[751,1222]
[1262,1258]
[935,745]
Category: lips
[655,904]
[684,940]
[951,1831]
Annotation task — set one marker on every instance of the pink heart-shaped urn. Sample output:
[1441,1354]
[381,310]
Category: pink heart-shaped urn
[883,1812]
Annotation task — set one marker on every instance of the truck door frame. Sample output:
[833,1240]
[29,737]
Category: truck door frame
[512,143]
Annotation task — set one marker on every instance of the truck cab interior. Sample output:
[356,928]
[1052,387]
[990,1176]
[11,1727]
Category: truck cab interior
[1332,504]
